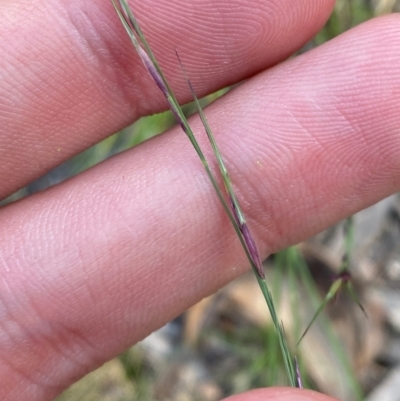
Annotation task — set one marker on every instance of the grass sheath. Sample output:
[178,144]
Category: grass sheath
[232,206]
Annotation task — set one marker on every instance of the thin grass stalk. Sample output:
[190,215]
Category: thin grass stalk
[236,209]
[255,260]
[234,212]
[343,279]
[335,343]
[154,70]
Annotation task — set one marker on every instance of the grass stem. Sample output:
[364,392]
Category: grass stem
[232,207]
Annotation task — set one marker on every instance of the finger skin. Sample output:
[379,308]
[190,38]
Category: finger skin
[70,76]
[280,394]
[97,263]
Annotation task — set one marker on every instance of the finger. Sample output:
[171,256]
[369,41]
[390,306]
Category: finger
[104,259]
[70,76]
[280,394]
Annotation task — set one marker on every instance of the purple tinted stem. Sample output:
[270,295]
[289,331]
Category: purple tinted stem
[248,239]
[298,374]
[243,228]
[160,83]
[252,248]
[152,71]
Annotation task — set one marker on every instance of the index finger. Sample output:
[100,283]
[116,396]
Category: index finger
[69,76]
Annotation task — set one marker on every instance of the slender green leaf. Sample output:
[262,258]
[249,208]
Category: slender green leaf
[235,213]
[335,287]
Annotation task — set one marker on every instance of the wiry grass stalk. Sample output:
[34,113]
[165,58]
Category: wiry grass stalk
[343,278]
[291,262]
[233,210]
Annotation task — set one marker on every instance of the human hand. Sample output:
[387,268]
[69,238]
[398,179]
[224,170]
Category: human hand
[95,264]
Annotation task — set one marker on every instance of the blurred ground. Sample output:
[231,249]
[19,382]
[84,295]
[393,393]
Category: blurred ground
[226,344]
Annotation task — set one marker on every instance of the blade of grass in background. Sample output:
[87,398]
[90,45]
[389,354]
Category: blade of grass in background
[343,278]
[291,266]
[234,212]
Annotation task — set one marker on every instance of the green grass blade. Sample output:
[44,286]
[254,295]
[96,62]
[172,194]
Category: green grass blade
[343,278]
[255,259]
[235,214]
[154,69]
[335,287]
[302,269]
[237,211]
[131,26]
[354,295]
[345,267]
